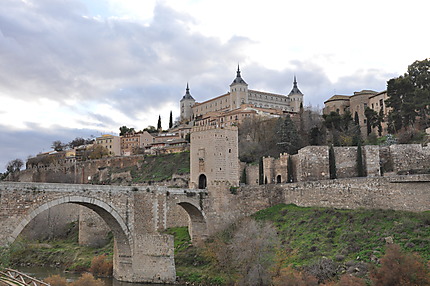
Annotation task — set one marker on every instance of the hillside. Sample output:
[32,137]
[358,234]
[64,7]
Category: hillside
[324,242]
[151,169]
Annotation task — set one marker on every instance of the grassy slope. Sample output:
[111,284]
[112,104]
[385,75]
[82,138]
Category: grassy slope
[162,167]
[334,233]
[157,168]
[308,234]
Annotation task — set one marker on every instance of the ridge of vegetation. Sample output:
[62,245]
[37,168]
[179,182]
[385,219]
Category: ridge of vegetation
[322,242]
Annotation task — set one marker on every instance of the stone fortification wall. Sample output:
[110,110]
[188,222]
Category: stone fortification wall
[346,161]
[312,162]
[252,175]
[372,160]
[407,193]
[407,157]
[113,170]
[80,172]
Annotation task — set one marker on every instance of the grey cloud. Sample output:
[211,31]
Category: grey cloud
[52,51]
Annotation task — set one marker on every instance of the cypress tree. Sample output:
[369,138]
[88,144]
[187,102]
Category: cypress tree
[243,177]
[170,120]
[261,172]
[159,123]
[360,167]
[332,163]
[356,119]
[290,170]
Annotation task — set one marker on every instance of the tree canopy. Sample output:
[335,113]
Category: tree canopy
[409,97]
[288,139]
[125,130]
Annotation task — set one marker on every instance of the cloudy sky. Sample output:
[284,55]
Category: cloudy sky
[80,68]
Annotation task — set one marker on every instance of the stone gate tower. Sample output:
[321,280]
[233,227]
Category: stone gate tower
[214,156]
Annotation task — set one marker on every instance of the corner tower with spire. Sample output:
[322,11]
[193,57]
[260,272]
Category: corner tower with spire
[296,97]
[238,91]
[186,103]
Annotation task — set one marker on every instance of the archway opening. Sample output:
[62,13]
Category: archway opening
[197,227]
[278,179]
[202,181]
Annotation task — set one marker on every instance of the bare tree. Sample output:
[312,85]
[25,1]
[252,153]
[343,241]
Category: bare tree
[58,145]
[14,166]
[253,248]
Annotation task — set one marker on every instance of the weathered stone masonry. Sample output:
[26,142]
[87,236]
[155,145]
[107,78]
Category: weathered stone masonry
[135,216]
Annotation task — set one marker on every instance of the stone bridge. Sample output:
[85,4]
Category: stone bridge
[137,215]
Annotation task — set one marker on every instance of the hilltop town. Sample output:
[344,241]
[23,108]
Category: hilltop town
[242,153]
[228,135]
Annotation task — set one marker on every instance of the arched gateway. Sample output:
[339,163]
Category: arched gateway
[136,216]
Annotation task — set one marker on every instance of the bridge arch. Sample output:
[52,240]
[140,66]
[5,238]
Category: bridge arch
[123,239]
[197,224]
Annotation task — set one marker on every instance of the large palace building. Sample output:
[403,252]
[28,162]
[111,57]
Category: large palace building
[231,108]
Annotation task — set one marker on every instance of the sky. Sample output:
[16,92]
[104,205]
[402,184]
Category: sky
[82,68]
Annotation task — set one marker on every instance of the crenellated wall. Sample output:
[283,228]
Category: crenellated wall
[312,162]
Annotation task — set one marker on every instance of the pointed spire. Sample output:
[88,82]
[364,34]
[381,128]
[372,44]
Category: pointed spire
[238,78]
[295,89]
[187,93]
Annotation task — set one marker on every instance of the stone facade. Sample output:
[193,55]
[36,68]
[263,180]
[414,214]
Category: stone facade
[133,141]
[228,108]
[214,157]
[357,103]
[111,142]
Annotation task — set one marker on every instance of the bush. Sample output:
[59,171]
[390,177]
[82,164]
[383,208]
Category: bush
[400,268]
[87,280]
[290,277]
[324,269]
[101,266]
[56,280]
